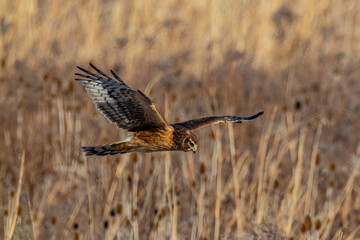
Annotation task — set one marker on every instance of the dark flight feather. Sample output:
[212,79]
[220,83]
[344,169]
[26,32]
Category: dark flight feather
[206,121]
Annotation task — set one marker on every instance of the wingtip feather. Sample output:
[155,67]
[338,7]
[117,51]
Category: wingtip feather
[116,76]
[255,116]
[82,69]
[93,66]
[98,70]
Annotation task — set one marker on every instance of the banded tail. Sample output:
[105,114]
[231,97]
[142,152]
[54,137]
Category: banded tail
[109,149]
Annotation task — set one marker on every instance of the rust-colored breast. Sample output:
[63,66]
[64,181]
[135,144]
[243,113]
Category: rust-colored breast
[149,141]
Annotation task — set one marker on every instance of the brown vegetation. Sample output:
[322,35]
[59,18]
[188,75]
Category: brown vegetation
[291,174]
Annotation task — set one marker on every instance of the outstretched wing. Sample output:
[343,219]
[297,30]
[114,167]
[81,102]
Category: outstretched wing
[128,109]
[206,121]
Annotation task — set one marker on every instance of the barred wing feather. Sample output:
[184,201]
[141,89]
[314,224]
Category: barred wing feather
[128,109]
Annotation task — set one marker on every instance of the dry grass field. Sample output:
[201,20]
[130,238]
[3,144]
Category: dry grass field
[294,173]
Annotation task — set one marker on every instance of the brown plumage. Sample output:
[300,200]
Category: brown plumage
[134,111]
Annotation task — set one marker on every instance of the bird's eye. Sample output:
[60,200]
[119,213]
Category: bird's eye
[191,144]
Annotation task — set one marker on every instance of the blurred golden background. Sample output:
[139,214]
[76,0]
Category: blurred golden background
[291,174]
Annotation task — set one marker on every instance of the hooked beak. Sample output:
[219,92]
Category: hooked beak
[193,149]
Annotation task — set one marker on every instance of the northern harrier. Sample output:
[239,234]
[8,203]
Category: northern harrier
[134,111]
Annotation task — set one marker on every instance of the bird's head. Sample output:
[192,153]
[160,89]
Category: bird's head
[190,143]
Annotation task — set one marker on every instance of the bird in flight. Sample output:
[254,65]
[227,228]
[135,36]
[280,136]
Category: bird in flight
[135,112]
